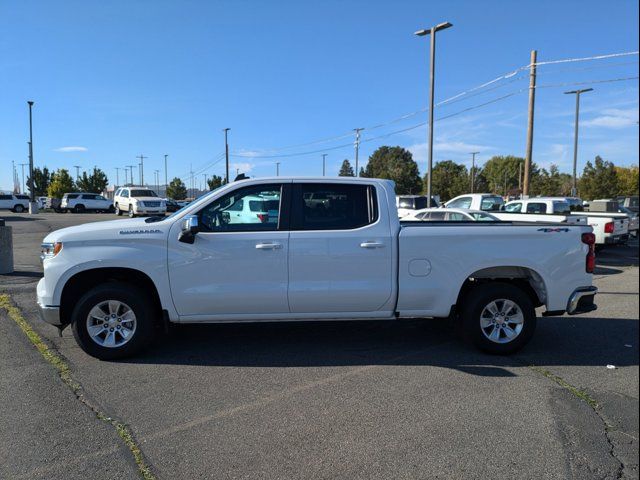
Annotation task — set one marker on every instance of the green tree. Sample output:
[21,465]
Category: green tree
[449,179]
[627,180]
[214,182]
[397,164]
[501,173]
[96,182]
[599,180]
[346,170]
[177,189]
[61,183]
[41,180]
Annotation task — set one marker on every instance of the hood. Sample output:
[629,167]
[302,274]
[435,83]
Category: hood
[110,228]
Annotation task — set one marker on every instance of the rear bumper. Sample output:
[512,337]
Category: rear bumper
[616,239]
[582,300]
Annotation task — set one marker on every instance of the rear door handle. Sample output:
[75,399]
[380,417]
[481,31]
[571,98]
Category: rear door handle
[372,245]
[268,246]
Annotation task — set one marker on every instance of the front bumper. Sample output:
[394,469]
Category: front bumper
[582,300]
[147,211]
[51,315]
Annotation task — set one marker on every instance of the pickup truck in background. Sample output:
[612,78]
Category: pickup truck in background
[487,202]
[351,259]
[609,229]
[408,204]
[612,208]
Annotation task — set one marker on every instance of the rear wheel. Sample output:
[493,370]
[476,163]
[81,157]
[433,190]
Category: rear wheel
[18,209]
[79,208]
[498,318]
[113,321]
[118,211]
[110,209]
[131,214]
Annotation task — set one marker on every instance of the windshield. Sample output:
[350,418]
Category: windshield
[143,193]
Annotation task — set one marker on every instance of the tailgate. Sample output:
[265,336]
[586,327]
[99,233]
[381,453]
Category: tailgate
[621,226]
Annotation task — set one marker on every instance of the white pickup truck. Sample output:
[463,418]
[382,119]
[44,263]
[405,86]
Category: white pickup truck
[351,259]
[609,229]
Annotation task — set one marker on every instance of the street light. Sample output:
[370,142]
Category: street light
[421,33]
[33,208]
[574,187]
[277,169]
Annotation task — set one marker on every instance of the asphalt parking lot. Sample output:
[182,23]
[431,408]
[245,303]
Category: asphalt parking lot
[324,400]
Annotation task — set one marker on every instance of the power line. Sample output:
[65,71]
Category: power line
[584,59]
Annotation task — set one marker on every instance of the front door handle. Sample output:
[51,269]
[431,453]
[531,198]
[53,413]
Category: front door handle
[372,245]
[268,246]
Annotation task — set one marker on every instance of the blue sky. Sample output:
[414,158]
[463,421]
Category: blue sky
[112,80]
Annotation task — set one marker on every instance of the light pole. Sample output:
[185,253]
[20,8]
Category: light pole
[205,181]
[77,167]
[357,145]
[131,173]
[126,175]
[226,153]
[324,164]
[473,169]
[141,168]
[166,181]
[574,186]
[421,33]
[33,208]
[277,169]
[157,175]
[117,176]
[23,189]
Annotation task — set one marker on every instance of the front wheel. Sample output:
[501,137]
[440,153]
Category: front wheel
[113,321]
[498,318]
[18,209]
[131,213]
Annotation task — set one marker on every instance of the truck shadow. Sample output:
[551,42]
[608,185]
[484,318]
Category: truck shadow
[620,256]
[558,341]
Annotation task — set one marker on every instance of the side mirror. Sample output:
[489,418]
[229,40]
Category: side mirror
[190,227]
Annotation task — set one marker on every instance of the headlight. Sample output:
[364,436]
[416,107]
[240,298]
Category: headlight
[50,250]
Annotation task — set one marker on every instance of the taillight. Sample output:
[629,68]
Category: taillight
[590,240]
[263,217]
[609,227]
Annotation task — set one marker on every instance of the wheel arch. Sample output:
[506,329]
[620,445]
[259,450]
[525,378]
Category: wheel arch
[85,280]
[525,278]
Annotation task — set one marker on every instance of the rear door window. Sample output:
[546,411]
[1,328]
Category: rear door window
[491,204]
[537,207]
[437,216]
[561,208]
[345,207]
[513,207]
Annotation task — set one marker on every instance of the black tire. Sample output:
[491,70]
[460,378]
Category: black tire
[473,306]
[18,209]
[110,209]
[131,214]
[79,208]
[136,299]
[118,211]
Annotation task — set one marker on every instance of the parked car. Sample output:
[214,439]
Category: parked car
[350,260]
[42,202]
[85,202]
[608,229]
[611,208]
[629,202]
[183,203]
[450,215]
[15,202]
[408,204]
[487,202]
[138,201]
[250,209]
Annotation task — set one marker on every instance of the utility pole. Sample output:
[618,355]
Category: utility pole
[532,104]
[520,177]
[77,167]
[205,180]
[157,178]
[126,175]
[324,164]
[574,185]
[141,157]
[117,176]
[33,208]
[191,179]
[421,33]
[226,153]
[473,169]
[131,173]
[166,181]
[277,169]
[22,188]
[357,145]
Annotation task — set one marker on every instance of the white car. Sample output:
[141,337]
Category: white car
[487,202]
[85,202]
[351,259]
[450,215]
[138,201]
[250,209]
[15,202]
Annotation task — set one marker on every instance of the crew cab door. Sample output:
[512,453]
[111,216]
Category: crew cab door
[233,268]
[340,250]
